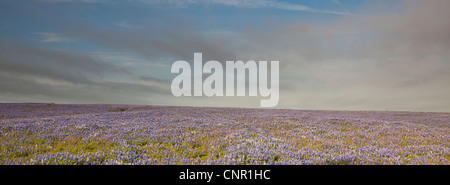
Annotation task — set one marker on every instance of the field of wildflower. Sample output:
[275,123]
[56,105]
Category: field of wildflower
[140,134]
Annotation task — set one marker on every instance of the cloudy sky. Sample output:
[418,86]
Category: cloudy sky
[334,54]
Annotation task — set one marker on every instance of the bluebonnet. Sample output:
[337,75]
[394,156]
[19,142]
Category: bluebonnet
[53,134]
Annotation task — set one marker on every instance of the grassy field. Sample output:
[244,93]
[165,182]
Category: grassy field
[137,134]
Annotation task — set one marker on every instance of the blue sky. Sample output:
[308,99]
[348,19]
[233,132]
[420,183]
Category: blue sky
[334,54]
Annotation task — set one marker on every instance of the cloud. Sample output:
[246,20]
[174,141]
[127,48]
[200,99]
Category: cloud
[153,43]
[390,61]
[49,74]
[389,58]
[127,25]
[249,4]
[73,1]
[397,60]
[51,37]
[341,5]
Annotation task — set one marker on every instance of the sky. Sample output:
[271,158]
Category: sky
[333,54]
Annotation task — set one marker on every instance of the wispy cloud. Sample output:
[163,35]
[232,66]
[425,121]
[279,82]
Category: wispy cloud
[295,7]
[127,25]
[235,3]
[30,71]
[51,37]
[251,4]
[73,1]
[341,5]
